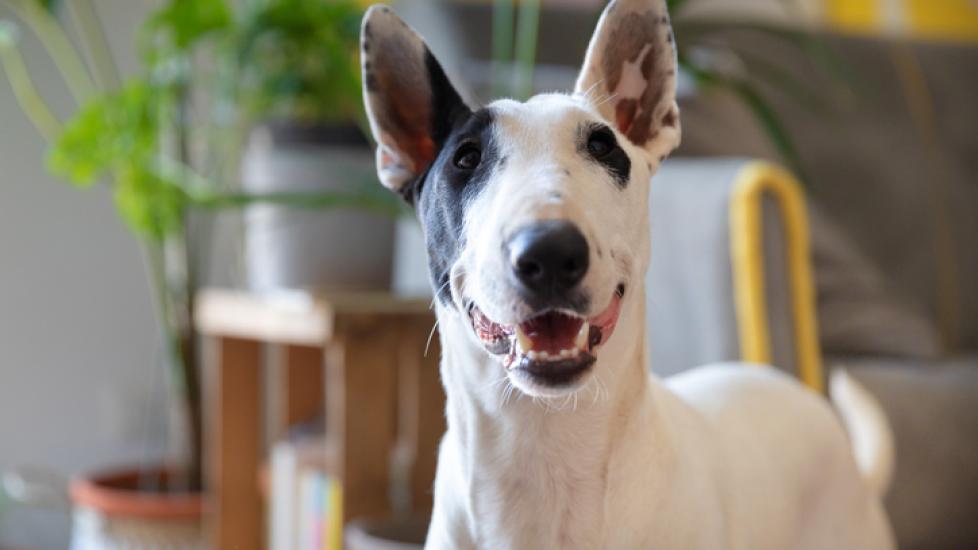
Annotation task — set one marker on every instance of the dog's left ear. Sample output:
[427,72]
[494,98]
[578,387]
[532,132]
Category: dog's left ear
[410,102]
[629,74]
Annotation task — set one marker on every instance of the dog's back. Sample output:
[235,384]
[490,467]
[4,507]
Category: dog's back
[781,451]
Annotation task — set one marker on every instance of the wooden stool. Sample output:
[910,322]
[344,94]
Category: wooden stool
[380,390]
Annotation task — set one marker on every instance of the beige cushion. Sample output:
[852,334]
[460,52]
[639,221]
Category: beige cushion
[859,313]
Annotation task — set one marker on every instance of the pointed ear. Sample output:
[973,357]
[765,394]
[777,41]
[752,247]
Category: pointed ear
[629,74]
[410,102]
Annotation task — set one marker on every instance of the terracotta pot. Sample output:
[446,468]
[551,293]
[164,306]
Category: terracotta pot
[133,509]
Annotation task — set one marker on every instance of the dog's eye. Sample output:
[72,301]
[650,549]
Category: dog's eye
[467,157]
[601,142]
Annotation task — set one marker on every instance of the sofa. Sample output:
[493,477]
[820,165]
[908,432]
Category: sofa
[876,272]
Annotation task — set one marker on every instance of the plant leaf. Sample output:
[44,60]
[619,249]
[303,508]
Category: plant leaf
[106,132]
[780,78]
[180,24]
[766,116]
[152,207]
[695,31]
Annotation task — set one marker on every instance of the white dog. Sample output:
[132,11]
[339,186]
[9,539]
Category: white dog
[536,222]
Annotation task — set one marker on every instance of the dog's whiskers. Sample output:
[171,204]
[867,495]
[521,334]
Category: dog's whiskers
[587,93]
[605,100]
[437,292]
[599,388]
[508,391]
[496,382]
[430,336]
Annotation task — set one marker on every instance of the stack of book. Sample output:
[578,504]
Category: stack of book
[305,502]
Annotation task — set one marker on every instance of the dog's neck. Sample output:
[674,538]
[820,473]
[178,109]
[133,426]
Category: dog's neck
[532,453]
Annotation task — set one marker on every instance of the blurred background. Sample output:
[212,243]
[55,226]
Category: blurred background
[183,179]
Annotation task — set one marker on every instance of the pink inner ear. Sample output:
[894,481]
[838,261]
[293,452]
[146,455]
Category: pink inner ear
[625,112]
[418,152]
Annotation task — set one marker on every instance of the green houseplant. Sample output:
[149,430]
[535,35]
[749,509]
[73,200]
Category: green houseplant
[296,86]
[163,140]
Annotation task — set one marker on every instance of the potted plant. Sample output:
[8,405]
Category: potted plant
[296,86]
[153,142]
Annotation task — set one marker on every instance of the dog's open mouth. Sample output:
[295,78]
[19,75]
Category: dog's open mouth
[554,347]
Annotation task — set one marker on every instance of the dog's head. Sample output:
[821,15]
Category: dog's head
[535,214]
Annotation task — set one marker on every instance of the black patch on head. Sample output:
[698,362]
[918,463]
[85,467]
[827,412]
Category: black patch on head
[442,194]
[447,108]
[447,112]
[598,143]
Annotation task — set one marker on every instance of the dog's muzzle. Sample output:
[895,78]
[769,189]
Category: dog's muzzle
[557,344]
[553,348]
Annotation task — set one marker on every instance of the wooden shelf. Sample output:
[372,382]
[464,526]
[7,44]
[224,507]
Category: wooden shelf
[295,317]
[360,356]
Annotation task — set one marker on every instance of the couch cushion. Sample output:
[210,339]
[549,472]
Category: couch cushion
[931,407]
[859,312]
[899,175]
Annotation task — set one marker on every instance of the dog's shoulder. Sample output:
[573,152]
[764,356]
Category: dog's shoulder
[757,394]
[726,379]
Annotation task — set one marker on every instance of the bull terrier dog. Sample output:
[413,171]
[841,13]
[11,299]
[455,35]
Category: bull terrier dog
[536,222]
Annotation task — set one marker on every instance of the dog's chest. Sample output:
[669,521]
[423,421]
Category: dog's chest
[528,494]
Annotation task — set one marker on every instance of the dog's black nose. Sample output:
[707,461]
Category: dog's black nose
[549,257]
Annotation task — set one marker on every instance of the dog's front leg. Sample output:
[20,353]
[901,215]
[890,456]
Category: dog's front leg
[449,528]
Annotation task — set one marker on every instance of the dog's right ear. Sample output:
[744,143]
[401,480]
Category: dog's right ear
[410,102]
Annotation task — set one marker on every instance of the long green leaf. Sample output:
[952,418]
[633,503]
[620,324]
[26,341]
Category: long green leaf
[527,30]
[766,116]
[22,84]
[782,79]
[59,47]
[502,47]
[695,31]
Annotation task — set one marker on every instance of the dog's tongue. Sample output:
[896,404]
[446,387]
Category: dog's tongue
[552,332]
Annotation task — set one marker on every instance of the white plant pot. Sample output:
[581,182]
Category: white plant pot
[290,248]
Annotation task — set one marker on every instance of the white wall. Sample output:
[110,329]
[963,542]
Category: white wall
[80,382]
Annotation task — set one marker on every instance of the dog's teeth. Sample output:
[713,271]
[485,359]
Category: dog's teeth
[543,355]
[532,355]
[566,353]
[523,342]
[582,336]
